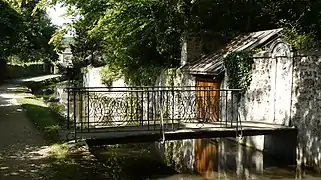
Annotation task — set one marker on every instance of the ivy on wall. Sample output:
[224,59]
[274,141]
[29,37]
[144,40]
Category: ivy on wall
[238,66]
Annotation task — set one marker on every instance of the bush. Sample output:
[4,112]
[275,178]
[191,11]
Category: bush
[57,110]
[38,87]
[25,70]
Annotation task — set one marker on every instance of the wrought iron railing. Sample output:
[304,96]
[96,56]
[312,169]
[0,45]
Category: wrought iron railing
[150,107]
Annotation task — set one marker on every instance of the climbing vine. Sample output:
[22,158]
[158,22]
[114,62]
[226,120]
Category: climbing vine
[238,67]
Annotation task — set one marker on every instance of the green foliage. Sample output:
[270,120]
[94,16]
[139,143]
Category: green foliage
[56,107]
[33,44]
[238,67]
[25,70]
[300,40]
[139,36]
[24,35]
[10,27]
[108,76]
[56,110]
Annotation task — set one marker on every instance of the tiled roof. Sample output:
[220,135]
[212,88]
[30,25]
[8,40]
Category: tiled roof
[213,63]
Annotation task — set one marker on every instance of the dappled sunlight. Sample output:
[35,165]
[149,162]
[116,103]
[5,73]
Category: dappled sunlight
[49,162]
[25,154]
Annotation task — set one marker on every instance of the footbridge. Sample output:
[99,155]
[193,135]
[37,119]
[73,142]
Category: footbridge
[146,114]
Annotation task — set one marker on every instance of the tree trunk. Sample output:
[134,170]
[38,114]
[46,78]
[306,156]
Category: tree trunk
[3,70]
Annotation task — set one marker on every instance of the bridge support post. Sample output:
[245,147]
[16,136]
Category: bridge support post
[281,145]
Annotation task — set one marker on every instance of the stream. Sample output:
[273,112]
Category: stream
[139,161]
[230,161]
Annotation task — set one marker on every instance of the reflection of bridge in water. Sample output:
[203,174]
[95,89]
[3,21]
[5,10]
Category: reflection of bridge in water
[147,114]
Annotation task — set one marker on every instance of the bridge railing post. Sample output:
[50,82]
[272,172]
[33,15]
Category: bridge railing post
[142,109]
[74,114]
[68,109]
[226,104]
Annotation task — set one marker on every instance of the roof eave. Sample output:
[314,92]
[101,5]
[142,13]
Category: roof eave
[205,73]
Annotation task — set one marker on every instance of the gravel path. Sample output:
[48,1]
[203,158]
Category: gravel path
[21,145]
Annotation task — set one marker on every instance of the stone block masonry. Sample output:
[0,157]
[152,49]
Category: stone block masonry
[306,108]
[287,90]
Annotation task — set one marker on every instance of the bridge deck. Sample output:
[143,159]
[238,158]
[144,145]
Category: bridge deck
[128,134]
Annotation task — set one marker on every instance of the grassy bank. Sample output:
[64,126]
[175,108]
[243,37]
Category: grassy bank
[65,160]
[41,116]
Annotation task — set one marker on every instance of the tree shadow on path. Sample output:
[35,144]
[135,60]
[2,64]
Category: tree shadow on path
[25,154]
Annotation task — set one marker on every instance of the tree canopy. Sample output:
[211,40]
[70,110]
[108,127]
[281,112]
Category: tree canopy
[23,34]
[140,37]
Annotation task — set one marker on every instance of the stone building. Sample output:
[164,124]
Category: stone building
[285,89]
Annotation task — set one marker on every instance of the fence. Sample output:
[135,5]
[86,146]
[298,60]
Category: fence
[150,107]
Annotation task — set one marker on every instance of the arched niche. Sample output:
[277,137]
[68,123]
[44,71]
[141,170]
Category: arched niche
[280,49]
[281,81]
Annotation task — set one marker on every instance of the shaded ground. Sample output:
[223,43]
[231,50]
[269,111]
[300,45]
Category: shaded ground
[25,154]
[137,161]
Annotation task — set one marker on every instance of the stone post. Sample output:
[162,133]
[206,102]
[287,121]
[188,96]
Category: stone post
[191,49]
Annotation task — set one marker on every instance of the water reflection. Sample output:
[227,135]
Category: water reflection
[218,159]
[233,161]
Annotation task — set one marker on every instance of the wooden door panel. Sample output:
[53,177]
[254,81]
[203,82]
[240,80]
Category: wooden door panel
[208,100]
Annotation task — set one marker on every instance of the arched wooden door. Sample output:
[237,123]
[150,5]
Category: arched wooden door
[208,99]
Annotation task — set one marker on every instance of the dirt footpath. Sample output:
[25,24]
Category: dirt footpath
[24,153]
[21,145]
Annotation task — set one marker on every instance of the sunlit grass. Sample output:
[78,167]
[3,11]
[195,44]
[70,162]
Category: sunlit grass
[59,151]
[40,115]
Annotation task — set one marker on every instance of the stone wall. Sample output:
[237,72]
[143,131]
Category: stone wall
[256,104]
[286,90]
[306,105]
[191,49]
[268,99]
[92,77]
[175,77]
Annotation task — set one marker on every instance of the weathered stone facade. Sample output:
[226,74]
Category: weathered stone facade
[268,97]
[255,104]
[306,105]
[286,89]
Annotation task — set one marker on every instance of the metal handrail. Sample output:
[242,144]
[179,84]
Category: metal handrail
[149,87]
[89,109]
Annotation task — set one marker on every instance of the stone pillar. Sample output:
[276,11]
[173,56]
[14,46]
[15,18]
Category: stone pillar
[191,49]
